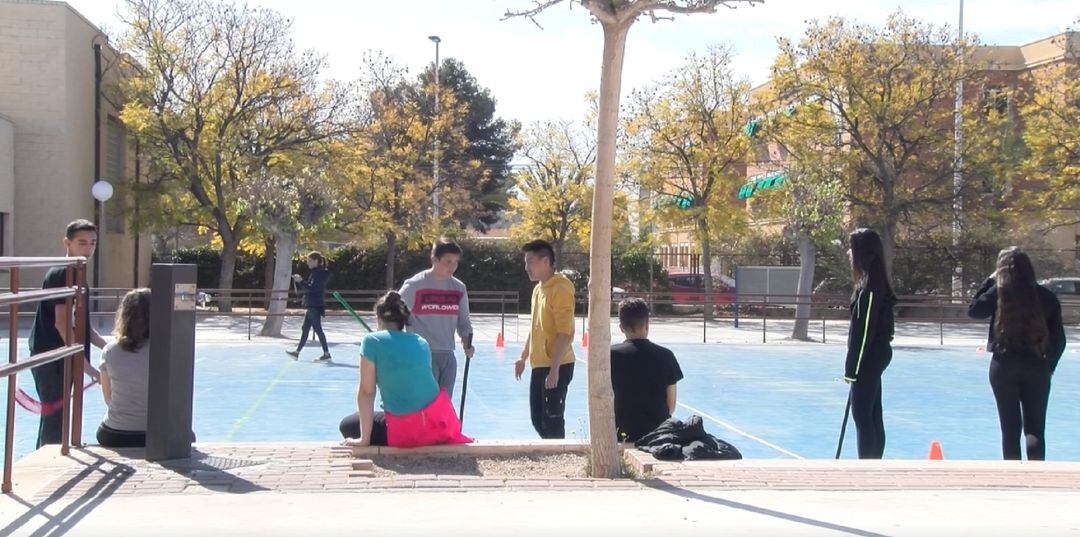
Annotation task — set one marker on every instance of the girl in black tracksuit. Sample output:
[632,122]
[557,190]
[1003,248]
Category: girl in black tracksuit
[1027,340]
[315,303]
[869,348]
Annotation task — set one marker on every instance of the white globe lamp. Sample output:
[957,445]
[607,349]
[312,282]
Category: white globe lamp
[102,191]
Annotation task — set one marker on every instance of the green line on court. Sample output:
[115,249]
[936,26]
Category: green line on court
[258,401]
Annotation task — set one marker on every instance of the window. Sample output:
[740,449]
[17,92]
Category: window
[996,99]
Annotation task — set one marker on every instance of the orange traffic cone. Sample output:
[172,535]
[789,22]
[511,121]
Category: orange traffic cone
[935,451]
[499,343]
[584,339]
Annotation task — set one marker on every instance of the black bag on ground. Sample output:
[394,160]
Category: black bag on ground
[676,440]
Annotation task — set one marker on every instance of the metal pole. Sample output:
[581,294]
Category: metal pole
[69,330]
[82,333]
[435,157]
[941,324]
[99,208]
[764,322]
[704,326]
[172,362]
[958,162]
[13,354]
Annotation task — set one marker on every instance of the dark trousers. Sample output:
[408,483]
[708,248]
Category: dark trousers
[313,319]
[115,438]
[1022,391]
[350,428]
[866,412]
[548,407]
[49,379]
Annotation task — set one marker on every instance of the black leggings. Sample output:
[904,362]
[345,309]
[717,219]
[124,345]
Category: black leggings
[313,319]
[115,438]
[1022,391]
[548,407]
[350,428]
[866,412]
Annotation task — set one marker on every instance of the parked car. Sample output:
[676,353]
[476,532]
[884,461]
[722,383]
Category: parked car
[688,288]
[1064,288]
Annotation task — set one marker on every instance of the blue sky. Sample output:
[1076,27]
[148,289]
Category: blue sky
[538,74]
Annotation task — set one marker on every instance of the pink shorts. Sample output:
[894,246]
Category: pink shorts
[434,424]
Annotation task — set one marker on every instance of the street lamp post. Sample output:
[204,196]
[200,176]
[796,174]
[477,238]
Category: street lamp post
[958,162]
[435,159]
[102,191]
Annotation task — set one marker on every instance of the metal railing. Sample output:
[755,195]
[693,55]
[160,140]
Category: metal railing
[72,354]
[937,309]
[251,303]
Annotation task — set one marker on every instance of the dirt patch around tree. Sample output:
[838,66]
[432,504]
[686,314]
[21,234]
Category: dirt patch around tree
[511,466]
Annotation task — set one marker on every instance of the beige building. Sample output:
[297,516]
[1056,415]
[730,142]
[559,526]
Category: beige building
[53,67]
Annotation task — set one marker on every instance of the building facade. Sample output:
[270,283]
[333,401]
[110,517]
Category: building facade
[58,135]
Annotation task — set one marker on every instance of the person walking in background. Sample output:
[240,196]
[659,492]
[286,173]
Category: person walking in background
[547,347]
[1027,340]
[439,303]
[315,304]
[50,331]
[869,345]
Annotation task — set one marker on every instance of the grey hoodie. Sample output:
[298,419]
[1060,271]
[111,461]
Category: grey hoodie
[438,308]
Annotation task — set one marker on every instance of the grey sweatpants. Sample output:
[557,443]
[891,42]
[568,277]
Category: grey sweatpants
[444,367]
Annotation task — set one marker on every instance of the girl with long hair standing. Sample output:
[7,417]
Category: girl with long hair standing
[1027,340]
[315,303]
[869,348]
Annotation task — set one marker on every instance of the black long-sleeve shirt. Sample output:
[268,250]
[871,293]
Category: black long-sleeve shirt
[870,334]
[984,305]
[316,288]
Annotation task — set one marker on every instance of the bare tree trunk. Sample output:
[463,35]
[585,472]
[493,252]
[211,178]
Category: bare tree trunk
[888,243]
[604,457]
[557,246]
[284,248]
[706,266]
[268,268]
[391,257]
[807,262]
[228,269]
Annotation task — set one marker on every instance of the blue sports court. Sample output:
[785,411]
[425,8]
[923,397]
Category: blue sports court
[774,401]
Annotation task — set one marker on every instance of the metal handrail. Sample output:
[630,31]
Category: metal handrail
[39,262]
[37,295]
[40,359]
[72,355]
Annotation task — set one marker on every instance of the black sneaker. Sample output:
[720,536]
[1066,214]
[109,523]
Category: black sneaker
[325,358]
[294,354]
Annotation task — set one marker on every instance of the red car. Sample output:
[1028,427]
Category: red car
[687,288]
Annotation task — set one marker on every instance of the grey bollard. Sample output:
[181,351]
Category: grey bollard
[172,361]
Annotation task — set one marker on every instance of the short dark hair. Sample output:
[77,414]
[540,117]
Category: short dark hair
[541,248]
[443,247]
[79,225]
[633,313]
[392,309]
